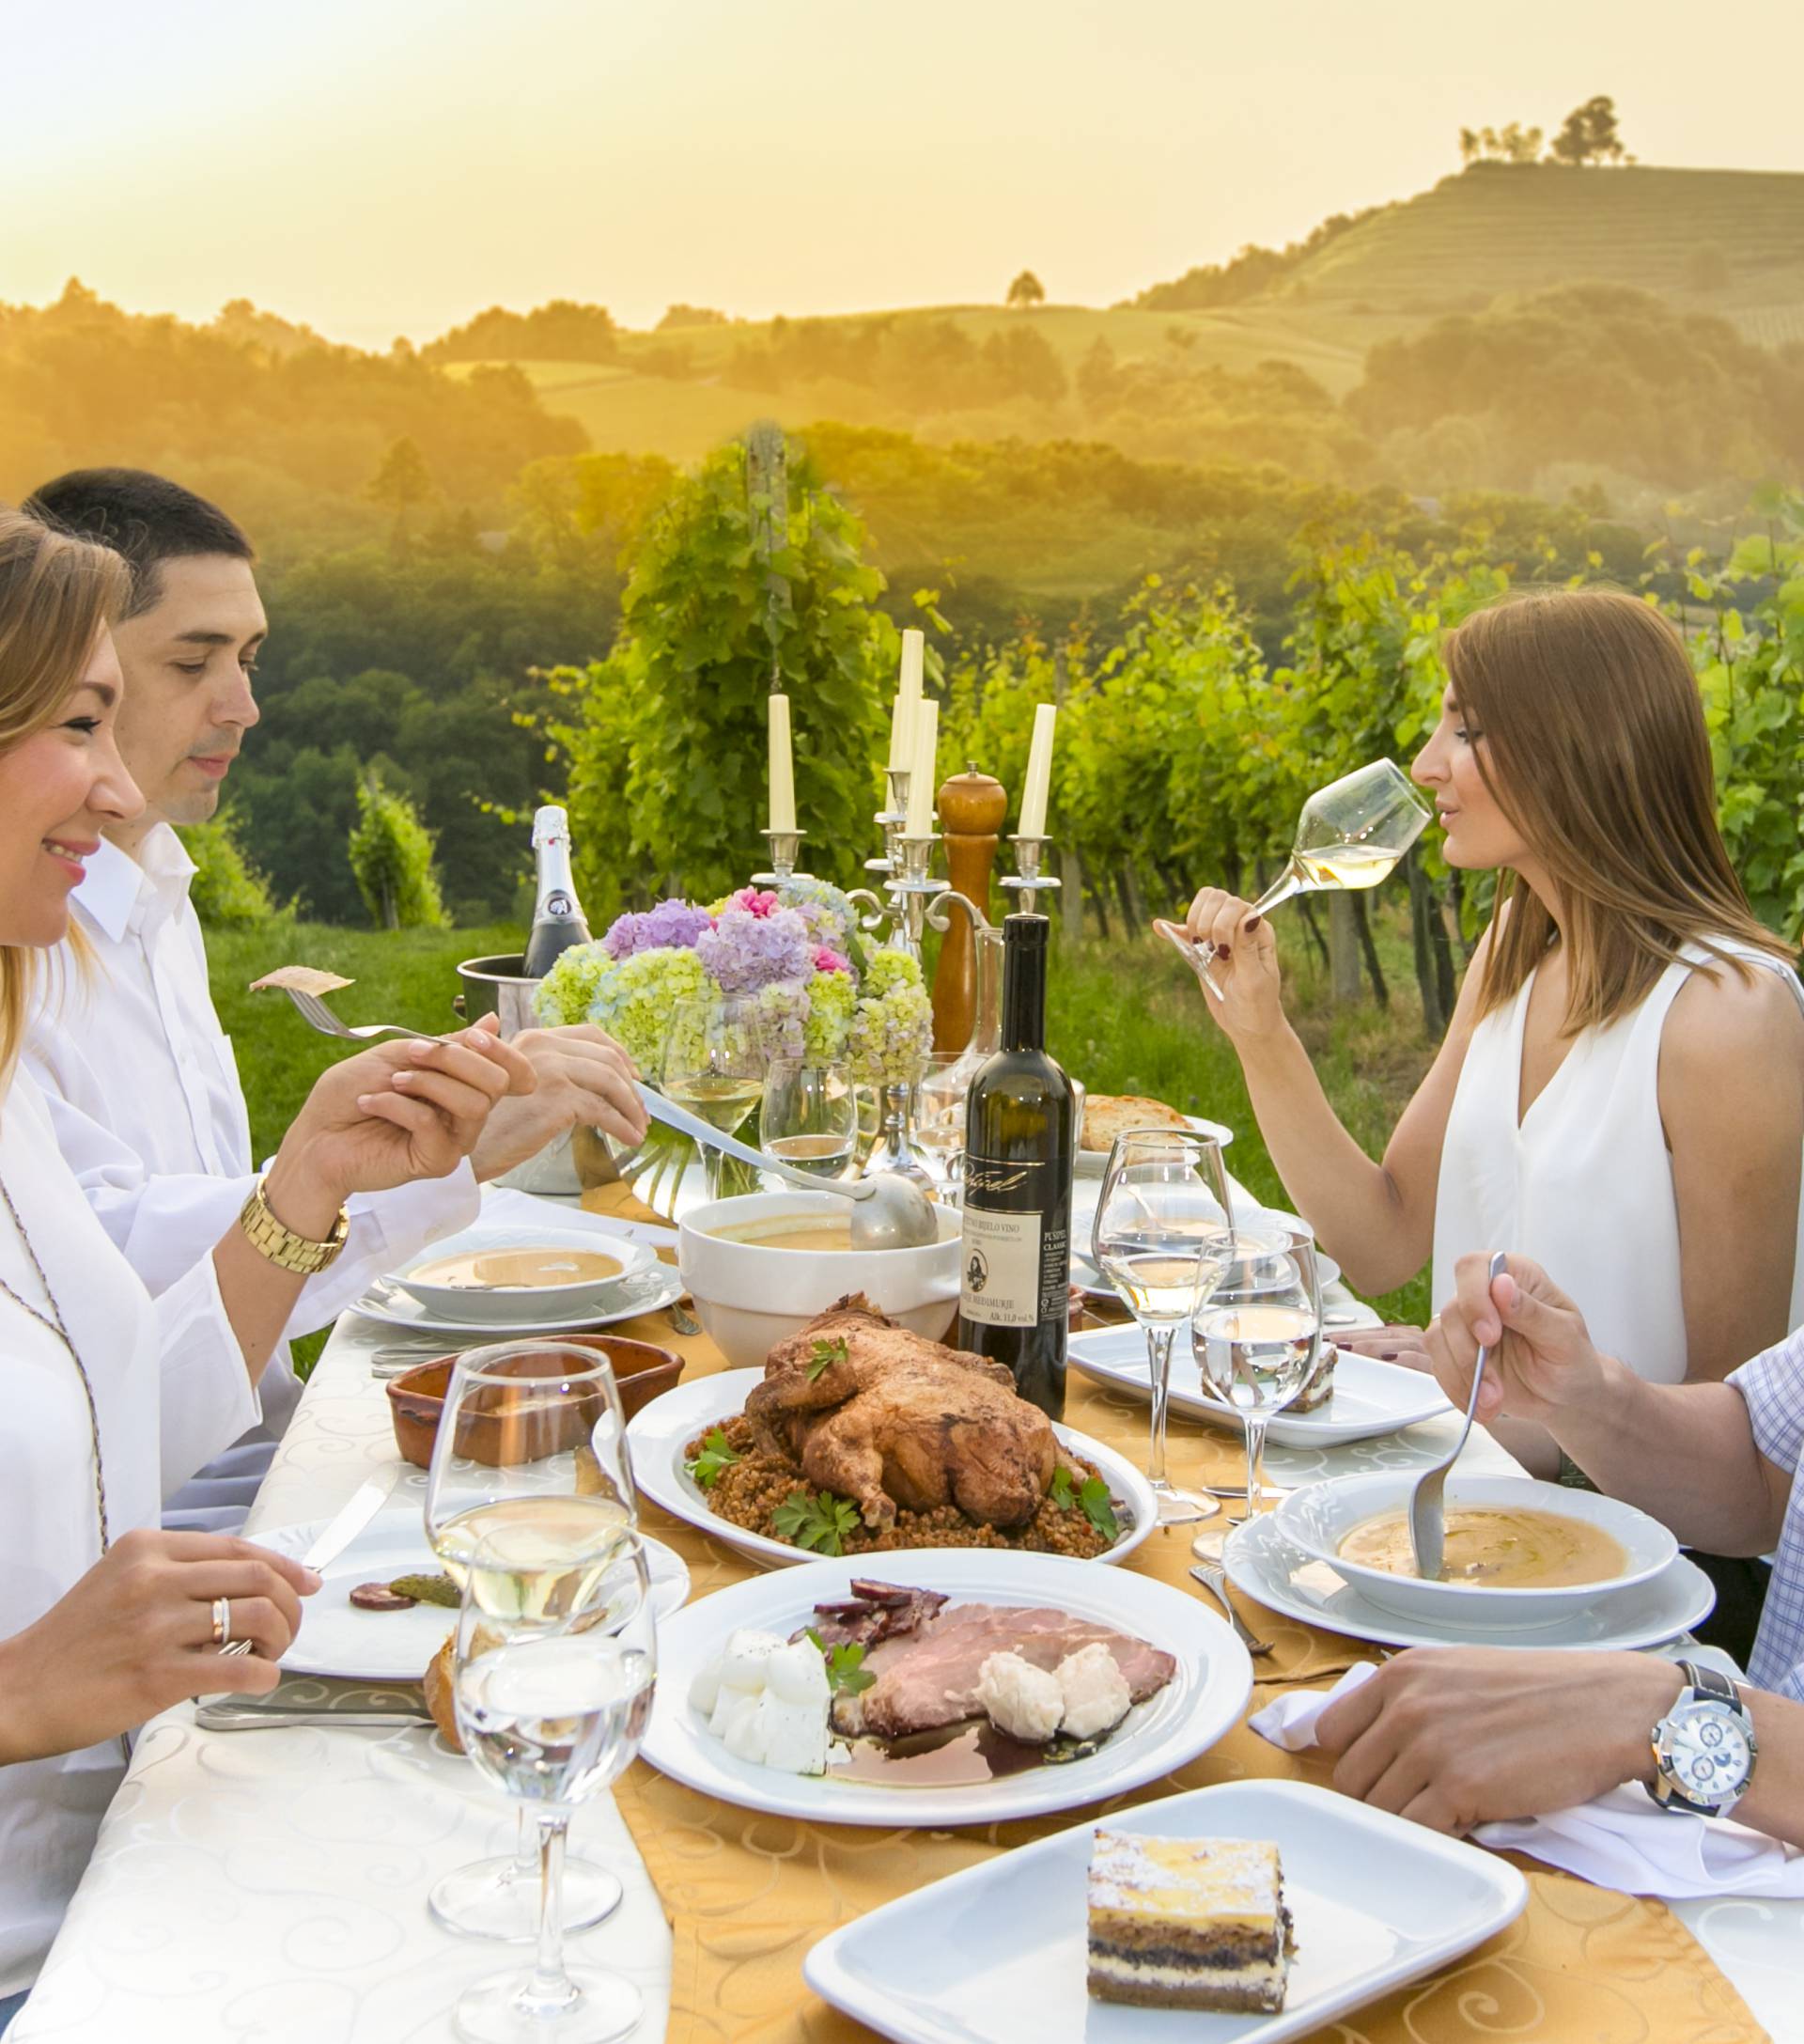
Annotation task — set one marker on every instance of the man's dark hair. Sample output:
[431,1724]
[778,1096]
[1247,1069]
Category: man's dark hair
[146,517]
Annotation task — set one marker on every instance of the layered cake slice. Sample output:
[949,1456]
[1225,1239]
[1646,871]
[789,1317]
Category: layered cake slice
[1187,1923]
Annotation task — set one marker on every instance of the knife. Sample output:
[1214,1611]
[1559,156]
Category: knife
[235,1717]
[345,1527]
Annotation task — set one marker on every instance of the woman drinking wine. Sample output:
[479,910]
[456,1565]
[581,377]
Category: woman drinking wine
[1621,1091]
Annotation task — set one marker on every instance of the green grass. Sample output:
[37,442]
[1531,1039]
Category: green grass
[1127,1017]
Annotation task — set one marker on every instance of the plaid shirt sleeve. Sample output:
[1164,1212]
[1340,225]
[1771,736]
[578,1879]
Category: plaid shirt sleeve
[1772,1388]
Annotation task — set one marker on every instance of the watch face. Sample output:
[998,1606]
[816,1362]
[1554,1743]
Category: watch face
[1707,1751]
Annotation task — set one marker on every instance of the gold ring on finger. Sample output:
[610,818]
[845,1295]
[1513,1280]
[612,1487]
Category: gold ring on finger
[222,1622]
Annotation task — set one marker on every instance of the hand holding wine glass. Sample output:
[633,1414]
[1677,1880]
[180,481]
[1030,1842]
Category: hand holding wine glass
[1163,1233]
[1257,1337]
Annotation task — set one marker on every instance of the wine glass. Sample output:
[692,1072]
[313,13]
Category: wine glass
[809,1117]
[1163,1232]
[1256,1335]
[939,1130]
[556,1661]
[714,1065]
[532,1434]
[1351,834]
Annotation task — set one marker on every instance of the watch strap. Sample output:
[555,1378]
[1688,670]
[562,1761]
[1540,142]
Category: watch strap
[275,1240]
[1702,1685]
[1713,1683]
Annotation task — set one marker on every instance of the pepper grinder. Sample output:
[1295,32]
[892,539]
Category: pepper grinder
[972,807]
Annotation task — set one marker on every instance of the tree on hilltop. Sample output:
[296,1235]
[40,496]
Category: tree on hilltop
[1590,135]
[1027,290]
[1513,144]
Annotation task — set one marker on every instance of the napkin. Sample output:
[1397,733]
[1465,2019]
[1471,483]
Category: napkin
[1618,1840]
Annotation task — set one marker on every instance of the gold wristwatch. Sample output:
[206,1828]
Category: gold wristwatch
[287,1250]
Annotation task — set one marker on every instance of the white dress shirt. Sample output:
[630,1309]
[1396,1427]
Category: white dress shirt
[144,1094]
[170,1389]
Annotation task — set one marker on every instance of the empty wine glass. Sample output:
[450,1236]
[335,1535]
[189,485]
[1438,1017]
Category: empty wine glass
[809,1117]
[714,1065]
[1351,834]
[1163,1232]
[556,1656]
[532,1435]
[938,1122]
[1256,1336]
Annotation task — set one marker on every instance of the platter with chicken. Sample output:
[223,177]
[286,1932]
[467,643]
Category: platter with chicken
[859,1439]
[954,1686]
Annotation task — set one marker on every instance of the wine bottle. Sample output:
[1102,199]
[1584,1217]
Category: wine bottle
[558,915]
[1019,1134]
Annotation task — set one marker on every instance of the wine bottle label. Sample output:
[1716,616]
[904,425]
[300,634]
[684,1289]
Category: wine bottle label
[1000,1280]
[557,904]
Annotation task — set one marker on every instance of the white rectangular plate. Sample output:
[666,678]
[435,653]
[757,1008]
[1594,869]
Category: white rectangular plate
[996,1954]
[1370,1397]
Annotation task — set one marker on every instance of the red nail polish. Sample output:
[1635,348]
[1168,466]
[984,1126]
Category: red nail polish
[1253,922]
[1222,951]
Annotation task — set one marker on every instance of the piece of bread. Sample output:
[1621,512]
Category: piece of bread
[1107,1116]
[439,1682]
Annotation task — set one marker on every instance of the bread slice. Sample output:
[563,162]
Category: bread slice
[439,1682]
[1107,1116]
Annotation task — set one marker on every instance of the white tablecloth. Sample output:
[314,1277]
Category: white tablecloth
[270,1886]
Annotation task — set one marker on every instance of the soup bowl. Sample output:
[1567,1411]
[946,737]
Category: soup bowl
[750,1295]
[1319,1517]
[505,1304]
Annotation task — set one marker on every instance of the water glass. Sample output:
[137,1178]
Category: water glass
[1163,1233]
[556,1657]
[938,1130]
[1256,1336]
[809,1117]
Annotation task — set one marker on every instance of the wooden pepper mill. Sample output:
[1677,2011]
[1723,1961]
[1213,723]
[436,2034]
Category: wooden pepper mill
[972,808]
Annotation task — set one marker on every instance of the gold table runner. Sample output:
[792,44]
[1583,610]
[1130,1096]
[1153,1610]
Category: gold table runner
[748,1895]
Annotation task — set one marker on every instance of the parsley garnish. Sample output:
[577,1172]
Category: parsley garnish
[821,1522]
[845,1672]
[824,1354]
[1092,1498]
[715,1456]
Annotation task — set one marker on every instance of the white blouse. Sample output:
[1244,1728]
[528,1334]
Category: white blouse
[1583,1184]
[170,1388]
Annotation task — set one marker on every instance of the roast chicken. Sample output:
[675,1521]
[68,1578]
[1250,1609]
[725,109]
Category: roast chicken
[892,1420]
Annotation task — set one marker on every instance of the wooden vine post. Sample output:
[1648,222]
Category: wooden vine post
[972,807]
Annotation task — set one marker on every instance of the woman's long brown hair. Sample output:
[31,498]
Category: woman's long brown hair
[1595,748]
[56,592]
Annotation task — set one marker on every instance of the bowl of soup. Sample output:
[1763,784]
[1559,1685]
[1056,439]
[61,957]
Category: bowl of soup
[1517,1552]
[523,1274]
[759,1266]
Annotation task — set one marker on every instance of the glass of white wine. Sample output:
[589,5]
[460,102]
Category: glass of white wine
[1256,1335]
[532,1444]
[809,1117]
[1351,834]
[938,1129]
[1163,1232]
[556,1661]
[714,1065]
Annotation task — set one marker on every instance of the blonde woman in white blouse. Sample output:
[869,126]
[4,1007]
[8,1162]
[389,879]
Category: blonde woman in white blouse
[1621,1093]
[109,1402]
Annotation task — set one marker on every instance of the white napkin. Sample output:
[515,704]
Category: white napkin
[1618,1840]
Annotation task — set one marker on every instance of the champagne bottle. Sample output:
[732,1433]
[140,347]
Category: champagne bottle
[558,915]
[1019,1133]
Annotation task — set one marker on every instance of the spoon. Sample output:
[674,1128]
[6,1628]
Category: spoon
[1427,1523]
[888,1213]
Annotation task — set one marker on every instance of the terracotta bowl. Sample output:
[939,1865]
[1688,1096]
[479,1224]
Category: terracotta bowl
[417,1401]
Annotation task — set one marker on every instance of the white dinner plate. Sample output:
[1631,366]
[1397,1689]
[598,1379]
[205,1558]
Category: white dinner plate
[1263,1564]
[657,1288]
[658,1433]
[997,1954]
[509,1305]
[335,1638]
[1092,1163]
[1370,1397]
[1202,1700]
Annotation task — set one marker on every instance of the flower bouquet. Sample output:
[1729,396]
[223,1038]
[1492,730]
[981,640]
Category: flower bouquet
[792,956]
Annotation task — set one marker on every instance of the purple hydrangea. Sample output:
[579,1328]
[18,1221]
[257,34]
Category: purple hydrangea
[673,925]
[747,952]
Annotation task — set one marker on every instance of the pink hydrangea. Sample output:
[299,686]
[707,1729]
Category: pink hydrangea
[827,960]
[754,902]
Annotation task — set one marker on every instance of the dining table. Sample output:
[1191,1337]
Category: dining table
[269,1886]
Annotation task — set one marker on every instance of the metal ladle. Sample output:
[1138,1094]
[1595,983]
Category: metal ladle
[888,1211]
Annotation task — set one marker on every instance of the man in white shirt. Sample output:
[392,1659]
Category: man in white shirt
[140,1078]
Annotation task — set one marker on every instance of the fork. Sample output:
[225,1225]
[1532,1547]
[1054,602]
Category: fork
[1427,1521]
[314,1011]
[1214,1579]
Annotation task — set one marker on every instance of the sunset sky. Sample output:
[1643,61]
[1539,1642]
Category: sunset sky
[379,167]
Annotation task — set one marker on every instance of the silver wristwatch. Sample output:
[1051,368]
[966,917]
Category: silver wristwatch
[1704,1748]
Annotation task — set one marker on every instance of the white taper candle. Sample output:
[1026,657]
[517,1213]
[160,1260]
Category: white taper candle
[920,772]
[783,770]
[908,702]
[1039,773]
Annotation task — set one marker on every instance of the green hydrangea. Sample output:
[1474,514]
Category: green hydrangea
[892,1030]
[833,998]
[635,1001]
[567,991]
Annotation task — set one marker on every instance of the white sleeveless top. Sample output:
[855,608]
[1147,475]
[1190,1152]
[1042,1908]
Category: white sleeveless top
[1584,1185]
